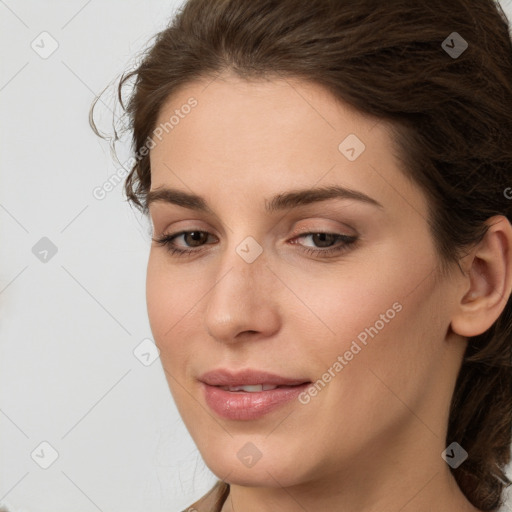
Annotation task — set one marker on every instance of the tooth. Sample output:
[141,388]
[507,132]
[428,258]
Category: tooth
[253,388]
[250,389]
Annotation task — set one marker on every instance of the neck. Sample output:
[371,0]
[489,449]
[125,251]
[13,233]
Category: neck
[435,493]
[405,480]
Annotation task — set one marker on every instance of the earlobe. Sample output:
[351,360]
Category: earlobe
[488,280]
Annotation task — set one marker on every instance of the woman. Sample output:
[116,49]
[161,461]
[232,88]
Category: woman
[330,275]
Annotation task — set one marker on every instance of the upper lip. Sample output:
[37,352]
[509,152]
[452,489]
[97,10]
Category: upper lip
[224,377]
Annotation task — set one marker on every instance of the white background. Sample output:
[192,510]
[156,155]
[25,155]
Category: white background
[68,327]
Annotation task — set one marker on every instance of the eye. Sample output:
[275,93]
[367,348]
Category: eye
[327,240]
[199,238]
[195,238]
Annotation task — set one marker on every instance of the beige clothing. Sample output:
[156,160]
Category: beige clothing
[213,500]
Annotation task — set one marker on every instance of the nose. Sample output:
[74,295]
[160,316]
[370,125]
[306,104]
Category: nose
[242,303]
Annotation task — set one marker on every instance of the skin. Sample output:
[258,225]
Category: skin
[372,439]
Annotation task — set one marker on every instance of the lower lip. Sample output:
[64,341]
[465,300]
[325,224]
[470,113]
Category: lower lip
[241,405]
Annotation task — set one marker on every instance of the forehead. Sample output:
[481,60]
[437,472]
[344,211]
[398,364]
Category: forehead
[268,134]
[259,116]
[235,119]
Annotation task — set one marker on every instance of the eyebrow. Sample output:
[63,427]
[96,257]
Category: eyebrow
[282,201]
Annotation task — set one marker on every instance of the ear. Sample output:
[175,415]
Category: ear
[487,283]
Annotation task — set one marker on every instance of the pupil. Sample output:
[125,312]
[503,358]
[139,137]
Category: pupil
[323,237]
[194,235]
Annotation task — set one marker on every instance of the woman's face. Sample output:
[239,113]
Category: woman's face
[353,323]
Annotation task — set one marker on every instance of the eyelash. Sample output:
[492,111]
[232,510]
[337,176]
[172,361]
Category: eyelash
[167,242]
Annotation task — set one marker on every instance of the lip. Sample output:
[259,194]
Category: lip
[223,377]
[242,405]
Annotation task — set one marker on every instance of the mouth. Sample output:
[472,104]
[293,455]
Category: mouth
[256,388]
[248,394]
[248,378]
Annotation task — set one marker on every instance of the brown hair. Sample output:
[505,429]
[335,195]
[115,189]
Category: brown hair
[451,118]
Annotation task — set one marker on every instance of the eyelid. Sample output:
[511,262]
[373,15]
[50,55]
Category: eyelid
[297,231]
[346,231]
[174,227]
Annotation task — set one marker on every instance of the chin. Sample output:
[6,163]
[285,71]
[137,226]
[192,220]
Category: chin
[271,467]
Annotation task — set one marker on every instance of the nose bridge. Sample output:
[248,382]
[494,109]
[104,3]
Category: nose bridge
[240,299]
[245,261]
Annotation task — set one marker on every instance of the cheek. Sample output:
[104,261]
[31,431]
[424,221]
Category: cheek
[158,299]
[389,345]
[378,311]
[344,302]
[170,297]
